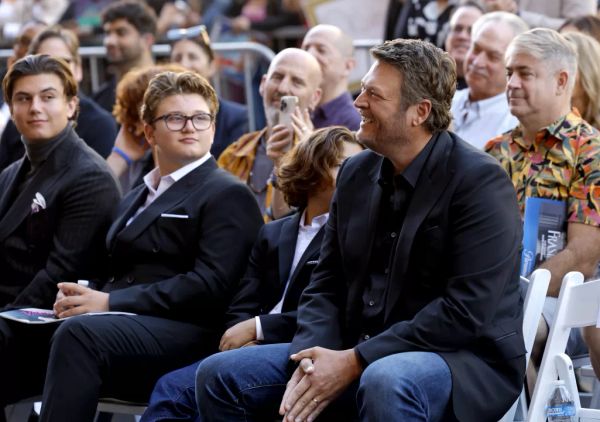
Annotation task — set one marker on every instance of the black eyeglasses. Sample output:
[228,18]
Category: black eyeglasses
[176,122]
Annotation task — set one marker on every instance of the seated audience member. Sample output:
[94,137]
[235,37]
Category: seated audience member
[334,51]
[589,24]
[56,204]
[586,93]
[280,266]
[177,250]
[129,32]
[480,111]
[458,41]
[131,158]
[417,281]
[548,14]
[291,72]
[192,50]
[553,153]
[94,125]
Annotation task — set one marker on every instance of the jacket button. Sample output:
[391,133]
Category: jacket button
[156,249]
[111,280]
[130,280]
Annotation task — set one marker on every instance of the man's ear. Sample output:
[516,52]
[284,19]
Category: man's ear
[149,40]
[562,81]
[423,109]
[149,134]
[72,105]
[261,87]
[315,99]
[349,65]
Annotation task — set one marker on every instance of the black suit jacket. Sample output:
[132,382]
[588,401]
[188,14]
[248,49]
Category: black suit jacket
[183,268]
[231,123]
[64,241]
[267,274]
[453,284]
[94,125]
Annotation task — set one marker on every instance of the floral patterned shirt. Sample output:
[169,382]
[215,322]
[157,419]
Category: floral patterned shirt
[562,163]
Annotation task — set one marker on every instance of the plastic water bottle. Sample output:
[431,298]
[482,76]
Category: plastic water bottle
[560,405]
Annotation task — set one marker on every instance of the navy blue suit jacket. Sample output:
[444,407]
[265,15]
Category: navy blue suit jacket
[453,284]
[267,274]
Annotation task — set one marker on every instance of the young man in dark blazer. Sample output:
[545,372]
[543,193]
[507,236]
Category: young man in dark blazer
[418,281]
[176,251]
[263,310]
[56,205]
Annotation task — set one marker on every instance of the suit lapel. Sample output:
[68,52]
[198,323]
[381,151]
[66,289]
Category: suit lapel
[287,246]
[16,174]
[431,184]
[50,172]
[311,250]
[134,201]
[174,195]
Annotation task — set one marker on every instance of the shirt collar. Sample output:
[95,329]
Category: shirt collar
[153,178]
[412,172]
[316,223]
[559,129]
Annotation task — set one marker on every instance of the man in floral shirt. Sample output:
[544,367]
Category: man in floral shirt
[553,153]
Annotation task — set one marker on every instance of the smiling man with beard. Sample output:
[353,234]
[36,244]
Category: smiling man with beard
[417,282]
[480,112]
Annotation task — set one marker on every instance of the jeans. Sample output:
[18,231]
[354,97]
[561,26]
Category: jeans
[174,397]
[247,384]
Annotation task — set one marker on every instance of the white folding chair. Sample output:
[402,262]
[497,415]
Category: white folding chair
[578,306]
[532,311]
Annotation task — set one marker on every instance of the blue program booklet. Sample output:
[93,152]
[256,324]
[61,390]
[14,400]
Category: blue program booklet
[31,315]
[544,231]
[45,316]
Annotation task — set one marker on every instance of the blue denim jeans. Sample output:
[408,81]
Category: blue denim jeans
[247,385]
[174,397]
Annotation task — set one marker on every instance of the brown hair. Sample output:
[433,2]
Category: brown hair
[428,73]
[130,93]
[66,35]
[588,24]
[166,84]
[141,16]
[36,65]
[307,167]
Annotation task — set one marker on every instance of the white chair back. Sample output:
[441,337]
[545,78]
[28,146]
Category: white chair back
[578,306]
[532,311]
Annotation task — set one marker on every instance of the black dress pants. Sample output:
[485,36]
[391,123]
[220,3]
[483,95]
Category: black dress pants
[118,356]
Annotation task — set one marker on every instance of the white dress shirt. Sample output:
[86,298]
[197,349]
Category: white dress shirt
[306,233]
[479,121]
[158,185]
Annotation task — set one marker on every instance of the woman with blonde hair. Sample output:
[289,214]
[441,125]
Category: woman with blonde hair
[586,94]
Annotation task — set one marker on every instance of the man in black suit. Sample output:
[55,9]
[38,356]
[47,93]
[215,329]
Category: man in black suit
[56,204]
[177,249]
[413,312]
[264,308]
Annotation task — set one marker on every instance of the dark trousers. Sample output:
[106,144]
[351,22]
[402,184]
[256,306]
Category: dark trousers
[23,356]
[115,356]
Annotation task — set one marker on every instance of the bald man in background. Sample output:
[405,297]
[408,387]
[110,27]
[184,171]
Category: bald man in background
[292,72]
[334,51]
